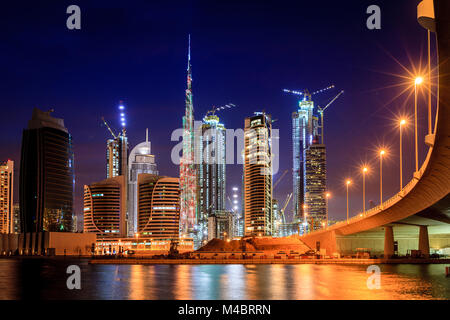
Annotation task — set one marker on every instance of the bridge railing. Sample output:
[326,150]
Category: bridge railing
[389,202]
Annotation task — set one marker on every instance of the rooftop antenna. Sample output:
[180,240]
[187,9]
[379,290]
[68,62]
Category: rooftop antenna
[146,135]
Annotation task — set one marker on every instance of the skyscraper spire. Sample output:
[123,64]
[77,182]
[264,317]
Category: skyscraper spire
[188,183]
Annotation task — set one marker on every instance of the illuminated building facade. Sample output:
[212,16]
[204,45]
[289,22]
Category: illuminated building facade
[221,225]
[158,207]
[188,183]
[315,184]
[211,171]
[6,197]
[46,175]
[116,156]
[105,207]
[258,175]
[277,220]
[140,161]
[304,128]
[117,149]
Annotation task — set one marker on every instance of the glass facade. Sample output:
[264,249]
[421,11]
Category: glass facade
[211,170]
[46,175]
[315,185]
[140,161]
[258,175]
[305,129]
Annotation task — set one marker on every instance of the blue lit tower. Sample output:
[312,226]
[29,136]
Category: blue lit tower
[304,128]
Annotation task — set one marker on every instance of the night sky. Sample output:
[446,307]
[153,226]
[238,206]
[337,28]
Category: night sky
[244,52]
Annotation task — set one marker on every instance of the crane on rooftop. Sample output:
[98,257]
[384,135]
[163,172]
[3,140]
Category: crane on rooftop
[321,111]
[305,92]
[215,109]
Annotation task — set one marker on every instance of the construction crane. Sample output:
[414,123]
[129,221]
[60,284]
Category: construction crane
[215,109]
[231,203]
[305,93]
[279,179]
[288,198]
[321,111]
[109,128]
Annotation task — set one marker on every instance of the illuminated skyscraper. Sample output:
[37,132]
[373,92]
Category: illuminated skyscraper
[158,207]
[211,170]
[117,149]
[188,183]
[258,175]
[46,175]
[6,197]
[315,184]
[105,207]
[304,128]
[140,161]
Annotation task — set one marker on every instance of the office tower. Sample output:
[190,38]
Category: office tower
[6,197]
[188,184]
[105,207]
[304,128]
[258,175]
[46,175]
[221,225]
[211,169]
[117,148]
[140,161]
[315,184]
[158,207]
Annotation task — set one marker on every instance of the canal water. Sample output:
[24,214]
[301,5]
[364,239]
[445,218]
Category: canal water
[36,278]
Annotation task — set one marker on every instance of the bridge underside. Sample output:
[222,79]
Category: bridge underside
[418,217]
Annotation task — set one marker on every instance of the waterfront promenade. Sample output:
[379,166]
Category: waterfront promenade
[146,261]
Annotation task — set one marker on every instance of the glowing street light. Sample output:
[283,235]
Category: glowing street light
[402,123]
[364,171]
[348,182]
[382,152]
[417,82]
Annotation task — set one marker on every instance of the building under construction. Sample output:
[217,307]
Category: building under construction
[309,162]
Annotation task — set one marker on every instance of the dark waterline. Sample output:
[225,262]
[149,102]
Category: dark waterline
[46,279]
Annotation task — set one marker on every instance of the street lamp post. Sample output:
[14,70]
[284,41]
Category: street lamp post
[402,123]
[347,183]
[364,189]
[417,82]
[382,152]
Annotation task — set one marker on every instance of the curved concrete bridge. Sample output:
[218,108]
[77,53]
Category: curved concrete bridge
[419,215]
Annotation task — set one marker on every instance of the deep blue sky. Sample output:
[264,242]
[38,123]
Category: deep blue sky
[243,52]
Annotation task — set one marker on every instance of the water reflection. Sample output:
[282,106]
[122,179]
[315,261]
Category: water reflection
[46,279]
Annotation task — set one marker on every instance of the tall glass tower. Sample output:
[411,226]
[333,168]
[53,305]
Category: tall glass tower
[304,129]
[258,175]
[211,171]
[46,175]
[140,161]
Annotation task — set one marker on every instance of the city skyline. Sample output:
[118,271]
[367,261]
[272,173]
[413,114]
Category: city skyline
[89,135]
